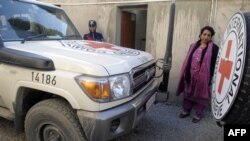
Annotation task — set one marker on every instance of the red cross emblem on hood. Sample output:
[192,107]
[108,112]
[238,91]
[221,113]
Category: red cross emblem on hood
[98,45]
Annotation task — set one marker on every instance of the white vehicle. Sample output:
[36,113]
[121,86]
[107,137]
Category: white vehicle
[56,86]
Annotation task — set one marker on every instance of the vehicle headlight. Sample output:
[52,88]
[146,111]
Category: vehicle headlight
[105,89]
[120,86]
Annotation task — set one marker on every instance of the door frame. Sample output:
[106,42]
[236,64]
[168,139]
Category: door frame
[137,7]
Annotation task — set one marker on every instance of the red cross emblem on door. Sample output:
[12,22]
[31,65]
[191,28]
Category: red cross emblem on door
[225,67]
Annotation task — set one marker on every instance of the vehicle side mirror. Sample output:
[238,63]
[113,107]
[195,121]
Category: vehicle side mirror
[1,41]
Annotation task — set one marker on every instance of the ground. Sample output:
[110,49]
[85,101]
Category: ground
[161,123]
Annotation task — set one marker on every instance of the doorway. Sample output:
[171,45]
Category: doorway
[132,23]
[128,29]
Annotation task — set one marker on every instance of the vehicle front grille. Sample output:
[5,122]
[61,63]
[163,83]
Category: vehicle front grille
[142,76]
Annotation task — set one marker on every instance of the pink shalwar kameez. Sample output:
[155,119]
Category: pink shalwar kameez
[196,91]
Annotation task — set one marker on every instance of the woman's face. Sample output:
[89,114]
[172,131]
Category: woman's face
[206,36]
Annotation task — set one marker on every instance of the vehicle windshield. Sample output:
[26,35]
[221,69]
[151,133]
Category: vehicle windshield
[27,21]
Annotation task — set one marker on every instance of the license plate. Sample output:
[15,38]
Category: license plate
[150,102]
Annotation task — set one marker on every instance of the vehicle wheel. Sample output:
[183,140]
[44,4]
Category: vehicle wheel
[52,120]
[231,84]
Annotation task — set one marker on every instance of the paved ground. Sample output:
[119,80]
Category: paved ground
[161,123]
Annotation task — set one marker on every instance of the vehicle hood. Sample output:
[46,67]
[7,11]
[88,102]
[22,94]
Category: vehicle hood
[83,56]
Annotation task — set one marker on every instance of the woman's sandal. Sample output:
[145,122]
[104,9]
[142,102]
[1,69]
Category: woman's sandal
[196,119]
[183,115]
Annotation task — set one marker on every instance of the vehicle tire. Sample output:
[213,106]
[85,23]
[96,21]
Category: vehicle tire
[232,106]
[52,119]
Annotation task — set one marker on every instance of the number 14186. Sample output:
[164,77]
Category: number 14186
[43,78]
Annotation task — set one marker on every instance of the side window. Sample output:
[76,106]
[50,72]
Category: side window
[3,23]
[5,31]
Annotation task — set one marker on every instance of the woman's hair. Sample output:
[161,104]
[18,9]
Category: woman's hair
[209,28]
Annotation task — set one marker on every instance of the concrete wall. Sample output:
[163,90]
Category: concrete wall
[80,15]
[190,16]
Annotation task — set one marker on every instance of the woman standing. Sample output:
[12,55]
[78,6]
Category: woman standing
[196,74]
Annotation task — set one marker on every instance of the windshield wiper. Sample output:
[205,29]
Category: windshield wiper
[34,36]
[72,36]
